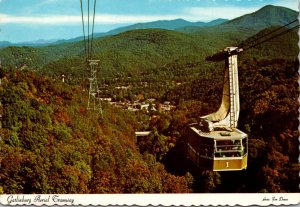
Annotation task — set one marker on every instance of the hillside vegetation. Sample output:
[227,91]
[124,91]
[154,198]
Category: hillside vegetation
[52,144]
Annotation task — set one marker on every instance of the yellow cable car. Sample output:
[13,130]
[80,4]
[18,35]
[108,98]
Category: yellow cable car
[220,150]
[215,142]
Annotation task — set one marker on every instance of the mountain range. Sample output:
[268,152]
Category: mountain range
[137,49]
[161,24]
[166,24]
[265,17]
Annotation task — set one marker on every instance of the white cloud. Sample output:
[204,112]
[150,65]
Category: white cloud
[210,13]
[292,4]
[5,19]
[65,20]
[190,14]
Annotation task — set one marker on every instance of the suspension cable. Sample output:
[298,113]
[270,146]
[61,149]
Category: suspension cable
[83,29]
[221,55]
[93,27]
[272,37]
[265,35]
[88,5]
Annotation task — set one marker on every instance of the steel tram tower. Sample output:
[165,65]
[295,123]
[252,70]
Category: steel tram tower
[228,113]
[94,101]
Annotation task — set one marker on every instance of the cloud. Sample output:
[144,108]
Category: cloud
[190,14]
[292,4]
[6,19]
[66,20]
[210,13]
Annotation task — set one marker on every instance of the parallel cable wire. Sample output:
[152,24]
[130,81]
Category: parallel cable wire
[93,90]
[265,35]
[272,37]
[83,29]
[88,5]
[93,27]
[221,55]
[88,42]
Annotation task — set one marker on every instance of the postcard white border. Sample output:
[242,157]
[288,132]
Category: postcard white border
[231,199]
[247,199]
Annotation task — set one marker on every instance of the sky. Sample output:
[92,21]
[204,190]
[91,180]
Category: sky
[29,20]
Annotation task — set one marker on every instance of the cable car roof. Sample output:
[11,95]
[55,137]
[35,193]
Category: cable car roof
[221,134]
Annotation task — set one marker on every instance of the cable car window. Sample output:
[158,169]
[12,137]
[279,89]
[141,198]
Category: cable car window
[228,148]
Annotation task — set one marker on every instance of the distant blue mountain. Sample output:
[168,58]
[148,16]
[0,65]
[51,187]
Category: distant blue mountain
[5,44]
[161,24]
[166,24]
[34,43]
[265,17]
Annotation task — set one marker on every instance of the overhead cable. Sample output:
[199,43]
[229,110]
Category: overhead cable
[88,6]
[89,37]
[93,26]
[83,29]
[266,35]
[272,37]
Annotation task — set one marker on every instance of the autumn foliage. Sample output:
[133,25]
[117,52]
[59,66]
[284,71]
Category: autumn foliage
[51,144]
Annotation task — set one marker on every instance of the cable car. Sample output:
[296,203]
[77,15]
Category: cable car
[215,142]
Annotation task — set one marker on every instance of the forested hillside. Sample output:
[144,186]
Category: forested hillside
[51,144]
